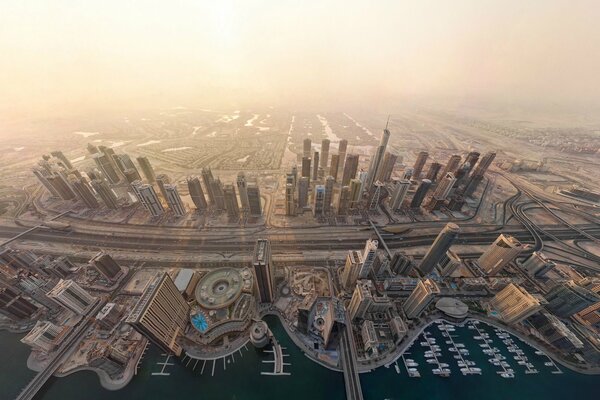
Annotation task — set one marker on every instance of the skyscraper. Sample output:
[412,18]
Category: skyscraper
[243,191]
[72,296]
[42,175]
[231,203]
[290,205]
[355,191]
[315,172]
[106,194]
[105,164]
[303,192]
[306,148]
[420,298]
[350,169]
[361,300]
[306,167]
[161,181]
[333,168]
[254,201]
[44,336]
[419,164]
[439,247]
[59,154]
[344,200]
[399,194]
[264,271]
[342,148]
[444,186]
[513,304]
[218,194]
[196,193]
[14,305]
[161,314]
[319,201]
[208,179]
[452,164]
[351,268]
[387,167]
[504,250]
[147,169]
[434,169]
[61,185]
[568,298]
[107,266]
[368,258]
[328,197]
[448,263]
[420,194]
[401,264]
[148,198]
[537,264]
[376,161]
[324,153]
[478,173]
[174,200]
[83,191]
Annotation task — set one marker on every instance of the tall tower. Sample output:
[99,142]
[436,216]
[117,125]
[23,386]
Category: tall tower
[420,298]
[328,198]
[319,204]
[196,193]
[254,201]
[107,266]
[452,164]
[243,191]
[72,296]
[399,194]
[264,271]
[350,169]
[419,164]
[444,186]
[208,179]
[434,169]
[439,247]
[162,180]
[231,203]
[376,160]
[334,167]
[315,166]
[148,197]
[306,167]
[306,148]
[161,314]
[420,194]
[324,153]
[368,258]
[504,250]
[344,200]
[106,194]
[303,184]
[147,169]
[290,205]
[83,191]
[387,167]
[351,269]
[513,304]
[342,148]
[355,191]
[174,200]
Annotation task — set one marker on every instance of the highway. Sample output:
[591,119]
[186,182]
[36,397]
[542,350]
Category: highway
[348,362]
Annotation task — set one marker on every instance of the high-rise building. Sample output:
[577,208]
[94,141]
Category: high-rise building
[14,305]
[59,154]
[350,169]
[344,200]
[83,191]
[243,191]
[568,298]
[106,165]
[434,169]
[290,204]
[387,167]
[328,198]
[500,253]
[419,164]
[264,271]
[72,296]
[44,336]
[333,168]
[449,262]
[147,169]
[420,298]
[315,172]
[351,269]
[148,198]
[368,258]
[107,266]
[306,150]
[218,194]
[537,264]
[174,200]
[106,194]
[303,192]
[365,300]
[254,201]
[420,194]
[376,161]
[324,153]
[444,186]
[231,203]
[355,192]
[342,149]
[452,164]
[306,167]
[484,164]
[401,264]
[161,314]
[319,203]
[513,304]
[42,175]
[399,194]
[161,181]
[196,193]
[61,185]
[439,248]
[208,179]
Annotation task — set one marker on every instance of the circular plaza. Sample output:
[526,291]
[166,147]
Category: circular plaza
[219,288]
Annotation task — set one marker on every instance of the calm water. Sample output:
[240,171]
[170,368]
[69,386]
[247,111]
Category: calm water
[241,378]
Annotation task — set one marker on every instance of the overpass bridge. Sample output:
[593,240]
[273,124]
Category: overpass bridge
[348,362]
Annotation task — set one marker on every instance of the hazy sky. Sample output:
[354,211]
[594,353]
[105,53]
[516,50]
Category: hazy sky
[60,54]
